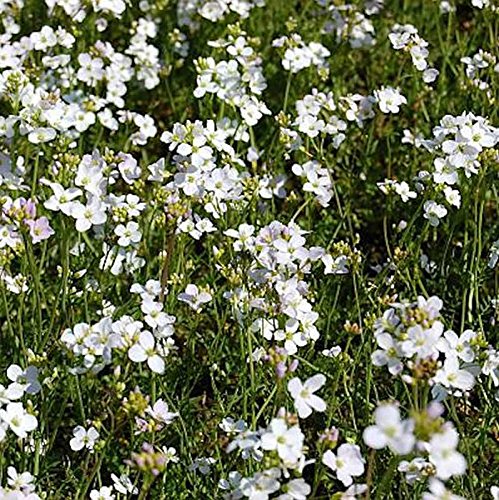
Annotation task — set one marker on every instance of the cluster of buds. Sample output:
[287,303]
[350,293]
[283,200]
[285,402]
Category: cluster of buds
[329,437]
[149,460]
[20,214]
[136,403]
[279,358]
[428,421]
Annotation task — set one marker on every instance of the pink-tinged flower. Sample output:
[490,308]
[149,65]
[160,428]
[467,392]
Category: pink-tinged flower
[39,229]
[29,208]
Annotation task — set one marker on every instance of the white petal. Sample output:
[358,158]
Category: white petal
[136,353]
[294,386]
[156,364]
[387,415]
[329,459]
[316,382]
[304,411]
[317,403]
[146,340]
[76,444]
[374,438]
[464,380]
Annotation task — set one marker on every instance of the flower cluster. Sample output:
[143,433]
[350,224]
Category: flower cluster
[427,433]
[405,37]
[412,336]
[318,180]
[238,82]
[280,260]
[348,22]
[207,171]
[284,442]
[299,55]
[95,343]
[15,417]
[220,221]
[315,116]
[18,219]
[480,69]
[463,146]
[213,10]
[19,486]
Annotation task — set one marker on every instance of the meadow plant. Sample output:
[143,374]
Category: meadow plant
[249,249]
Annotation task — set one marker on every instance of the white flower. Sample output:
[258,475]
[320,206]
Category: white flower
[92,214]
[232,483]
[261,485]
[422,341]
[195,297]
[244,237]
[203,464]
[303,394]
[124,485]
[83,438]
[27,378]
[91,69]
[83,120]
[292,336]
[444,173]
[333,352]
[170,454]
[389,354]
[451,376]
[430,75]
[128,168]
[438,491]
[480,3]
[404,191]
[296,489]
[452,196]
[145,349]
[389,99]
[43,39]
[11,392]
[62,198]
[337,265]
[18,419]
[346,463]
[390,431]
[90,174]
[20,482]
[353,492]
[129,234]
[458,346]
[414,470]
[287,441]
[444,455]
[434,212]
[155,317]
[105,493]
[41,134]
[159,412]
